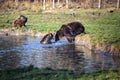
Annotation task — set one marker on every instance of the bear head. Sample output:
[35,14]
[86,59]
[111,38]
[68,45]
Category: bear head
[47,38]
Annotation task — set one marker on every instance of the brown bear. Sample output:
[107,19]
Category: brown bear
[20,21]
[70,31]
[47,38]
[24,19]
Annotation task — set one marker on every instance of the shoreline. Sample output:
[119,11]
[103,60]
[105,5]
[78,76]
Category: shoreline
[97,47]
[83,40]
[17,32]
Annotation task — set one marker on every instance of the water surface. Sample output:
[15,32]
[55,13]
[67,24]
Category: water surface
[19,51]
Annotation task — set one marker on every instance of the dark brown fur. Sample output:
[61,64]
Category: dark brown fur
[23,18]
[20,21]
[70,31]
[47,38]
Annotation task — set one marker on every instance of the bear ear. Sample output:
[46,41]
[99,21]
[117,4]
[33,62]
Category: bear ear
[63,27]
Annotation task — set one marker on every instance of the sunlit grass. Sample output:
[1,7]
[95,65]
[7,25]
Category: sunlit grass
[102,25]
[107,28]
[103,28]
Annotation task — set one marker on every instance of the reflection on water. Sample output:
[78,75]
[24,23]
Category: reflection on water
[24,51]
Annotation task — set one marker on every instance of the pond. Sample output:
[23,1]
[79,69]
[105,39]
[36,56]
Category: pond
[19,51]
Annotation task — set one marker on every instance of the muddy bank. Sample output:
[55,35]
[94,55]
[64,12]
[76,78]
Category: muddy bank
[97,47]
[17,32]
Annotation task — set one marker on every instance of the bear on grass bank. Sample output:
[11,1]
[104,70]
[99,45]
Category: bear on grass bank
[20,21]
[70,31]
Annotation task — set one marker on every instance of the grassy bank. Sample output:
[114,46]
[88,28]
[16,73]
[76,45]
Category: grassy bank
[101,25]
[30,73]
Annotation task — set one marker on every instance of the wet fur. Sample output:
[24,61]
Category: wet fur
[47,38]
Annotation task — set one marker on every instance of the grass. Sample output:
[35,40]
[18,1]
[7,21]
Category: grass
[30,73]
[100,24]
[108,28]
[103,28]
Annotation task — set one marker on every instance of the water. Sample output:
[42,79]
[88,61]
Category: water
[19,51]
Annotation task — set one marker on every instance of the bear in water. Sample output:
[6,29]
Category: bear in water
[47,38]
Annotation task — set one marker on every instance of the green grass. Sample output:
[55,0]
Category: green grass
[104,28]
[107,28]
[30,73]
